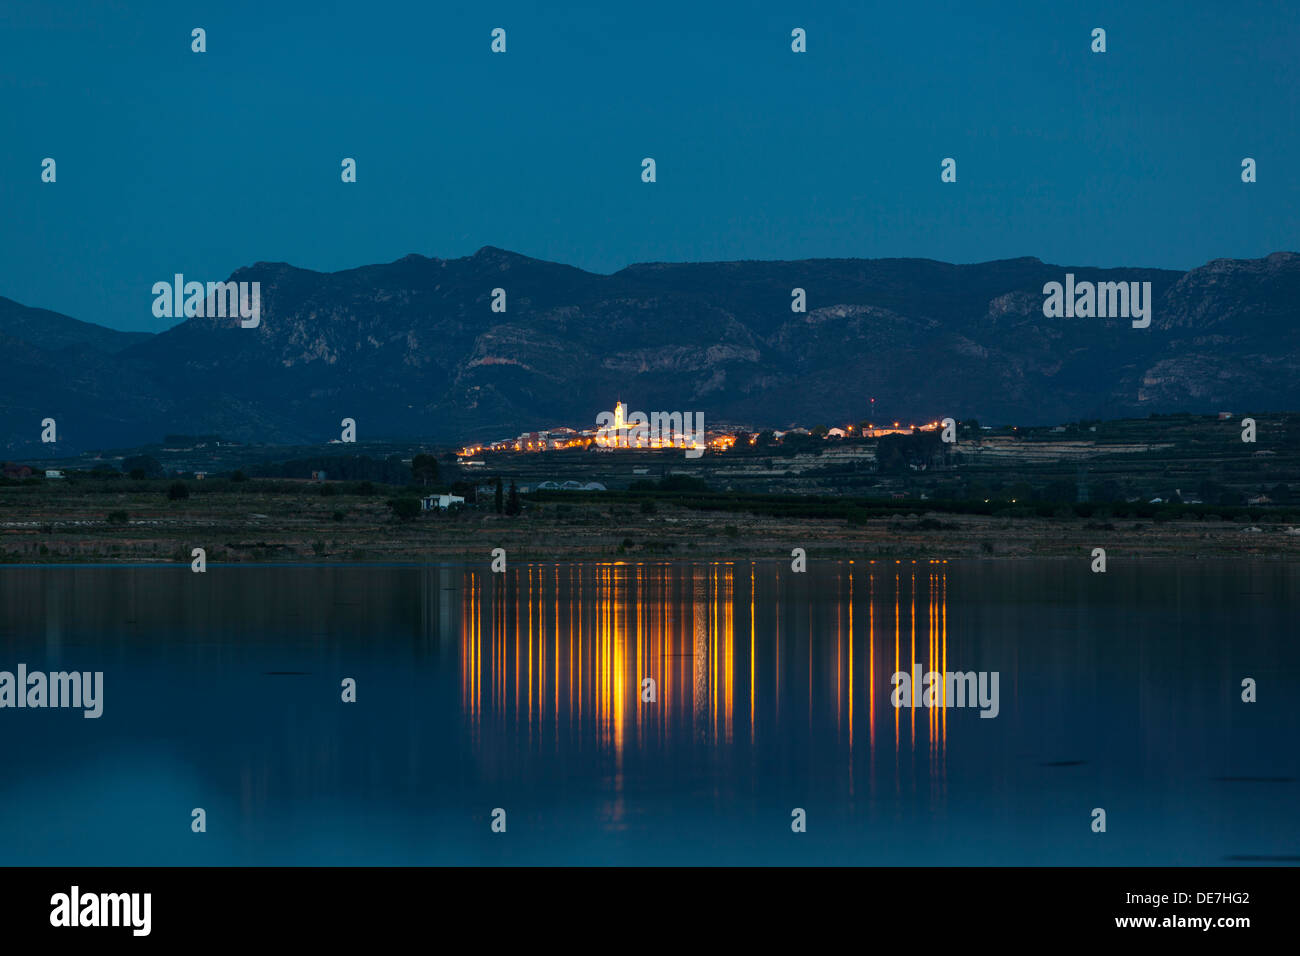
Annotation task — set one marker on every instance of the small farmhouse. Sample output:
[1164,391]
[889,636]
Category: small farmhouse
[441,502]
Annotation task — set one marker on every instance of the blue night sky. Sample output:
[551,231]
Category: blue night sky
[171,161]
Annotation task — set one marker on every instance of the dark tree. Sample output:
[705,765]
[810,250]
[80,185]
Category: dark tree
[424,468]
[1060,490]
[404,509]
[513,507]
[178,491]
[145,463]
[500,494]
[682,483]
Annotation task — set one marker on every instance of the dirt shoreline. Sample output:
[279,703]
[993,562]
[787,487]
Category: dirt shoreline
[268,528]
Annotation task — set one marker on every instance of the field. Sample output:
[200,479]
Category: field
[278,521]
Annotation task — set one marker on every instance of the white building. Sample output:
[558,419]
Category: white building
[441,502]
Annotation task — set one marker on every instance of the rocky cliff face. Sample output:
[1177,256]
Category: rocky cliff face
[413,349]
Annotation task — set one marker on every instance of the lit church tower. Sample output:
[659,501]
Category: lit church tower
[620,415]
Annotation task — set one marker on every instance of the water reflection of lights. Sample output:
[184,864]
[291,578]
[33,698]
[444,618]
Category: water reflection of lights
[558,652]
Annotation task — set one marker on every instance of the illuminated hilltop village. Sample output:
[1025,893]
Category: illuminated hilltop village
[662,430]
[659,430]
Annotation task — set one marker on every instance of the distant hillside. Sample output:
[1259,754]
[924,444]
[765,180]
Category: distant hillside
[54,366]
[413,349]
[52,331]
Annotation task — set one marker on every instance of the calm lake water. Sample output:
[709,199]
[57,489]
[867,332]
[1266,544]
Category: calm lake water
[522,691]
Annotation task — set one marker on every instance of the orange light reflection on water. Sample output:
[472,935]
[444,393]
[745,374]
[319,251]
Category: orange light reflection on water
[577,641]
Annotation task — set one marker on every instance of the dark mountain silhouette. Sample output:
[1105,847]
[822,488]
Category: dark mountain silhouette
[413,349]
[53,366]
[52,331]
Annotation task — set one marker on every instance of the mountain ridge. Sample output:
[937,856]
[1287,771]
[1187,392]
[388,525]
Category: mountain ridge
[413,349]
